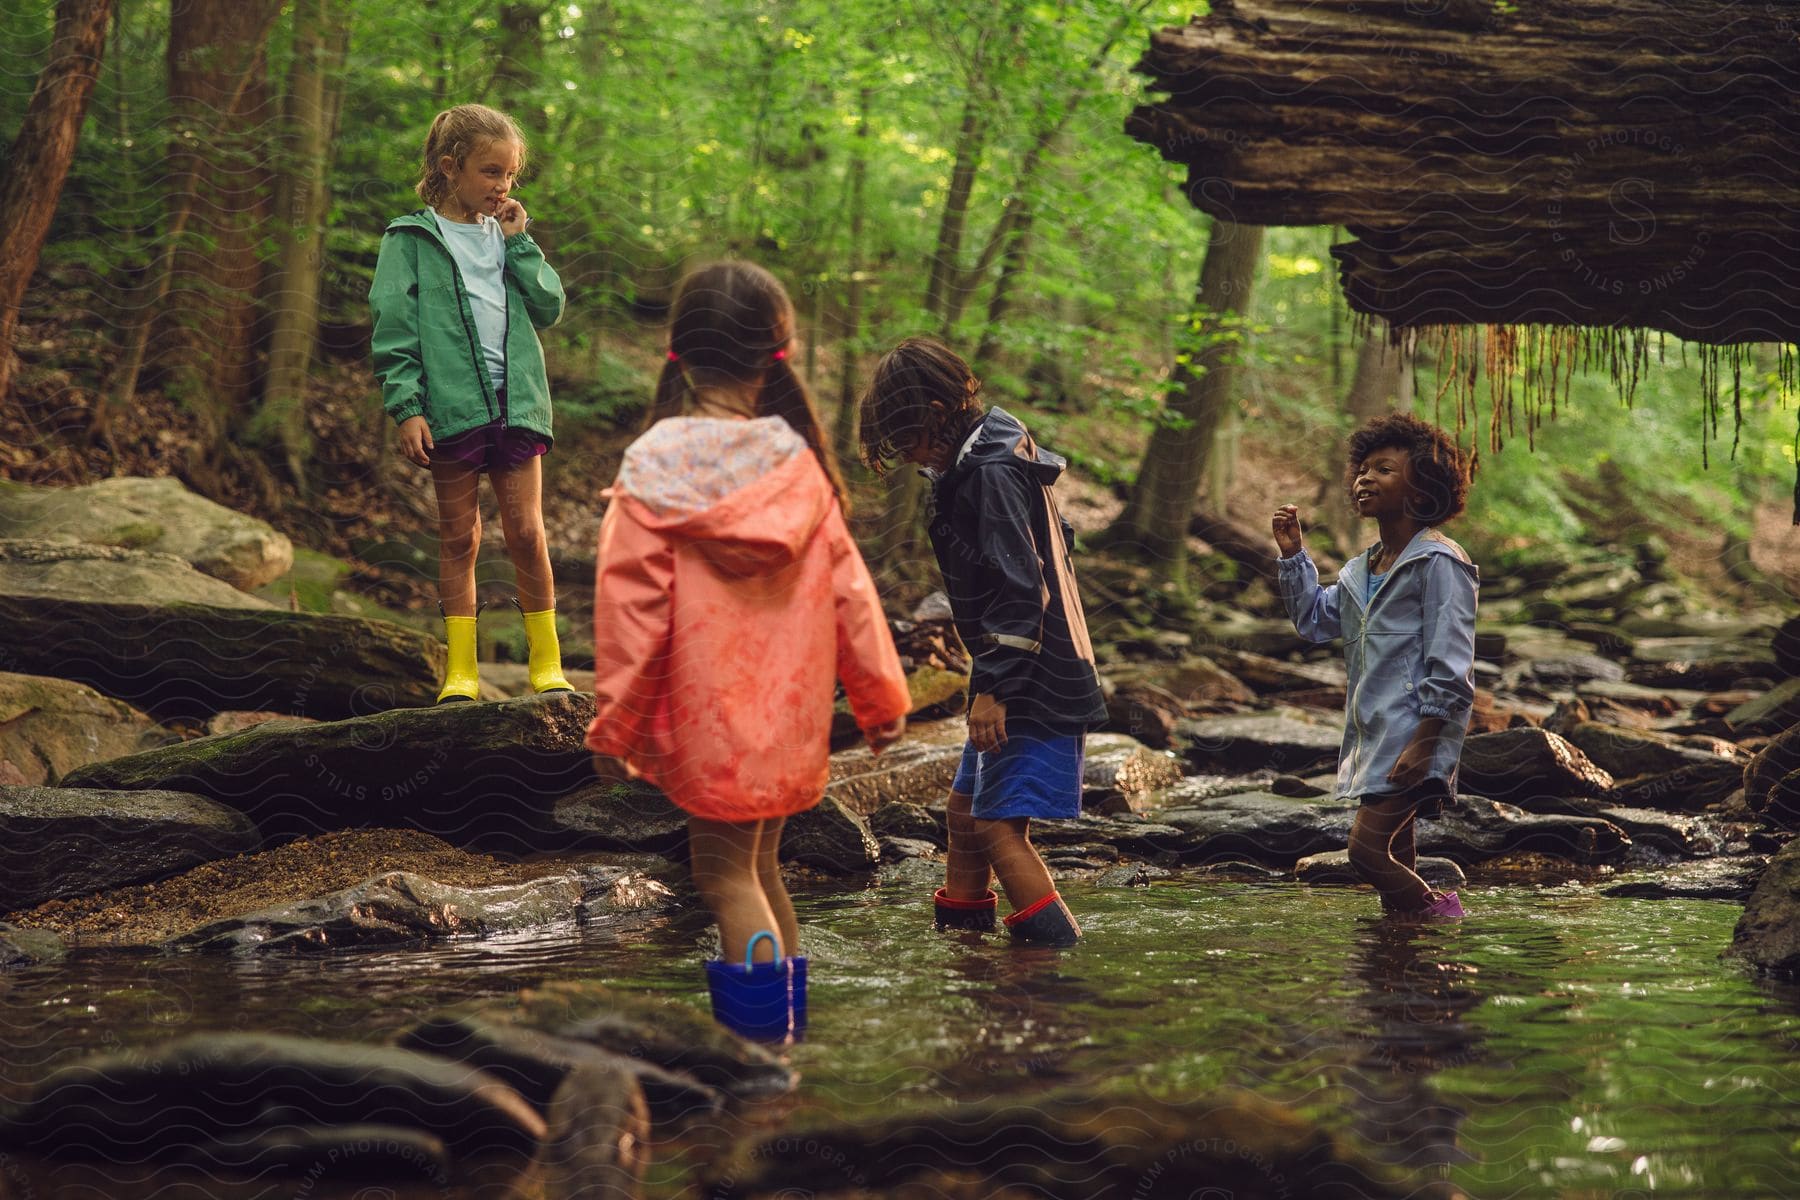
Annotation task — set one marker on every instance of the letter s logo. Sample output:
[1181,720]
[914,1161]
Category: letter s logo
[1630,199]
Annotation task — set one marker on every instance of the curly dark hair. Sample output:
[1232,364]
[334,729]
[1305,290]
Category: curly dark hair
[1441,472]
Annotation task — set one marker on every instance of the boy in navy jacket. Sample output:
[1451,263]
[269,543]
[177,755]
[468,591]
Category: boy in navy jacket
[1003,550]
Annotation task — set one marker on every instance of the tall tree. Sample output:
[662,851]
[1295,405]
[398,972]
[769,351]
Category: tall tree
[321,38]
[41,153]
[1154,523]
[216,58]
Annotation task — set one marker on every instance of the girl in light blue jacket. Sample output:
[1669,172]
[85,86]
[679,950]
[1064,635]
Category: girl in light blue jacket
[1405,608]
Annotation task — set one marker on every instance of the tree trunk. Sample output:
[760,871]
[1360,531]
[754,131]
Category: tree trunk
[299,224]
[216,59]
[41,154]
[1155,521]
[850,341]
[946,258]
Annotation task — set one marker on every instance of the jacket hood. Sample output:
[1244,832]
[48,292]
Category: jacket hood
[1002,438]
[748,494]
[1424,544]
[421,219]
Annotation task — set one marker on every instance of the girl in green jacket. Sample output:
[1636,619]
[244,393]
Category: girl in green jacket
[460,291]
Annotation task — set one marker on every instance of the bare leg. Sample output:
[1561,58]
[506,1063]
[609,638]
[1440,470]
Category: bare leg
[459,535]
[521,492]
[724,865]
[768,874]
[967,875]
[1378,830]
[1007,844]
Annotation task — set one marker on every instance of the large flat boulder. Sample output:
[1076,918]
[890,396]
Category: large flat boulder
[150,629]
[150,514]
[1768,934]
[48,727]
[58,842]
[1692,788]
[916,770]
[1625,753]
[487,771]
[1474,829]
[1283,741]
[1518,765]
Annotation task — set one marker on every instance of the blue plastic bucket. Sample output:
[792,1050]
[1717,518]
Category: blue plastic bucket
[752,999]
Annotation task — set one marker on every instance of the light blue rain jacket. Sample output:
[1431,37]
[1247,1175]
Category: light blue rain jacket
[1409,653]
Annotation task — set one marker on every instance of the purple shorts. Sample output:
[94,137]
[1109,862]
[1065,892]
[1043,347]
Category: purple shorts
[491,447]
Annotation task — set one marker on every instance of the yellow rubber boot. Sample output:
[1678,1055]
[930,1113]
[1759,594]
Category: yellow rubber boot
[545,654]
[462,680]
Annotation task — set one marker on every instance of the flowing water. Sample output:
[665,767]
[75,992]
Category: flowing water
[1558,1043]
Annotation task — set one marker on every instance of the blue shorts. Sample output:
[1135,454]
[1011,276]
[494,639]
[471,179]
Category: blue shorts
[1036,774]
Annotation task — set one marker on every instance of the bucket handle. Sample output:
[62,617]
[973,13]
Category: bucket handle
[750,948]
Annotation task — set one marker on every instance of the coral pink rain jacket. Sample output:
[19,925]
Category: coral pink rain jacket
[730,596]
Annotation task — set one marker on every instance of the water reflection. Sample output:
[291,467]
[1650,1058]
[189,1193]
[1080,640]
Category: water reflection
[1416,992]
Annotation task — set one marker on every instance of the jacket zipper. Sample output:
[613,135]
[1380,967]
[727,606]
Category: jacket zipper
[1362,635]
[463,307]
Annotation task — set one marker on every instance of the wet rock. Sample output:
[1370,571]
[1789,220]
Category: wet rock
[1625,753]
[1332,868]
[830,836]
[1267,674]
[1142,712]
[895,849]
[623,816]
[58,842]
[1712,664]
[466,772]
[669,1035]
[1105,838]
[1120,770]
[1653,702]
[1296,788]
[1563,671]
[237,722]
[158,515]
[1258,826]
[536,1064]
[1768,934]
[1131,875]
[49,727]
[596,1145]
[1474,829]
[151,630]
[1194,679]
[1063,1146]
[400,907]
[1516,765]
[1722,878]
[933,691]
[1773,710]
[912,821]
[321,1152]
[1282,742]
[1667,832]
[28,947]
[1694,787]
[918,770]
[153,1101]
[1768,791]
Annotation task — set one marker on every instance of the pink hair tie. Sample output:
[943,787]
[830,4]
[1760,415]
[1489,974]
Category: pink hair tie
[674,357]
[779,354]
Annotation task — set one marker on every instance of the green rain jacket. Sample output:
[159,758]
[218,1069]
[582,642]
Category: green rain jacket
[425,348]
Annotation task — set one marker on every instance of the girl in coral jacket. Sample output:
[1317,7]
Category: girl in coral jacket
[730,598]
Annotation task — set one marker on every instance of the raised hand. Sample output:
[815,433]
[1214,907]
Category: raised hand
[1286,527]
[511,215]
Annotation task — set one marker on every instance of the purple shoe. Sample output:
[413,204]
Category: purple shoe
[1446,905]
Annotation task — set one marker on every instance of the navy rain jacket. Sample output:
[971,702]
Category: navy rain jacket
[1003,549]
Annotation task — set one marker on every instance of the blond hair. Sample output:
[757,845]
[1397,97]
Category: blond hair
[460,132]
